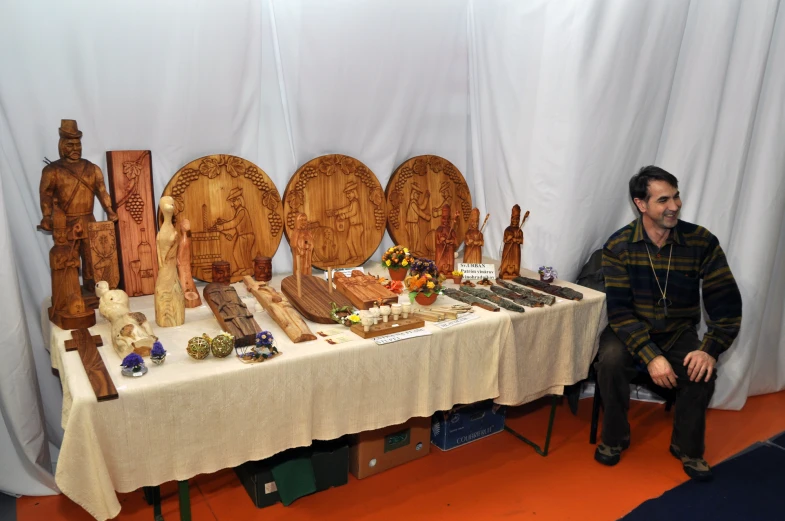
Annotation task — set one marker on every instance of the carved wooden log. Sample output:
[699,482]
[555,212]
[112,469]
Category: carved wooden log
[363,290]
[540,298]
[231,313]
[87,345]
[492,297]
[280,310]
[469,299]
[559,291]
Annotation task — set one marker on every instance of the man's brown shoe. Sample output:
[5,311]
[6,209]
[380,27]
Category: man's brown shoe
[696,468]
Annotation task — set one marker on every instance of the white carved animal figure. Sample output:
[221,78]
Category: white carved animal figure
[130,330]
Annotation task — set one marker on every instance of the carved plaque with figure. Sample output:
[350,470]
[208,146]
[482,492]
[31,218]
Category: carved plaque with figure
[234,209]
[417,193]
[345,206]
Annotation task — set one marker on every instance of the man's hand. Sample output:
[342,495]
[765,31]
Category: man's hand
[699,363]
[111,215]
[661,372]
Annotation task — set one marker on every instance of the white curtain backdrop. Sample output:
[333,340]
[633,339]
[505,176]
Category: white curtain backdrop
[550,104]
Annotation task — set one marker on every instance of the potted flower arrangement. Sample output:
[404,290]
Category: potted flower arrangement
[424,282]
[547,273]
[457,275]
[158,353]
[133,365]
[265,345]
[397,260]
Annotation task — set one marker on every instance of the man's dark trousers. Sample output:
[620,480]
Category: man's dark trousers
[615,370]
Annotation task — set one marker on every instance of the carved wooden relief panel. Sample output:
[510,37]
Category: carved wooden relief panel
[344,203]
[235,213]
[416,193]
[103,250]
[130,176]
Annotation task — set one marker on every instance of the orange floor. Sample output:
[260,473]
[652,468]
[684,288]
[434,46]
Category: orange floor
[495,478]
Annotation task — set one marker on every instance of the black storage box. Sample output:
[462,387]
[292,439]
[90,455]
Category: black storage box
[330,460]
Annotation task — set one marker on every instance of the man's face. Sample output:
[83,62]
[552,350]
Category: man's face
[235,202]
[662,206]
[73,149]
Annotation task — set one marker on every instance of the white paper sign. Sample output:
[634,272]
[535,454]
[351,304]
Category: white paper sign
[396,337]
[345,271]
[477,271]
[468,317]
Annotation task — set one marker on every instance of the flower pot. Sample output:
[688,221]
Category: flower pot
[546,279]
[129,371]
[397,272]
[425,301]
[457,280]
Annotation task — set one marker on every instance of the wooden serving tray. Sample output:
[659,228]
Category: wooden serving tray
[315,303]
[363,290]
[388,328]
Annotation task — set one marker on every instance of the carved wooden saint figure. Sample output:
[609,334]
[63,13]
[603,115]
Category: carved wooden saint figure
[513,240]
[68,308]
[446,239]
[169,298]
[302,245]
[231,312]
[239,230]
[472,252]
[350,212]
[72,184]
[192,298]
[417,210]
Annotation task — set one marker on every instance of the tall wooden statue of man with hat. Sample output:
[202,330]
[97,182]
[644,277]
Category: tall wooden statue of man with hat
[71,184]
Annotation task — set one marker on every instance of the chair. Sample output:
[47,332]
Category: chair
[591,276]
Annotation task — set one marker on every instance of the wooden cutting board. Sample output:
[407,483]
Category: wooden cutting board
[416,193]
[345,206]
[315,302]
[235,213]
[363,290]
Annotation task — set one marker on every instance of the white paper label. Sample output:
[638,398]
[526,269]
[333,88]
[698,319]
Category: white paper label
[468,317]
[395,337]
[345,271]
[270,487]
[477,271]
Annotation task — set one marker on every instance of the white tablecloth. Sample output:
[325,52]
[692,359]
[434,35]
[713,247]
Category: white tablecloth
[189,417]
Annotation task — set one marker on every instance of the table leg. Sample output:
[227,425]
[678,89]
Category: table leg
[185,500]
[153,497]
[537,449]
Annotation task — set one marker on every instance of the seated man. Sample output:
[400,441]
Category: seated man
[652,268]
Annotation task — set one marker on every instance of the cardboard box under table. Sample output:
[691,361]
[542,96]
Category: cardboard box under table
[295,473]
[372,452]
[466,423]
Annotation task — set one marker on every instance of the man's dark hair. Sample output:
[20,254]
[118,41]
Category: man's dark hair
[639,183]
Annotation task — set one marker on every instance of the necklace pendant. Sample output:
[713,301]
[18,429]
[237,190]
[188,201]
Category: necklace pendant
[665,307]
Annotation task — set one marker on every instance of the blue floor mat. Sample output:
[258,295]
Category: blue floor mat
[749,487]
[7,507]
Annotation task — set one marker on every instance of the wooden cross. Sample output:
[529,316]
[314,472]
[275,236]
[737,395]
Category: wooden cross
[87,345]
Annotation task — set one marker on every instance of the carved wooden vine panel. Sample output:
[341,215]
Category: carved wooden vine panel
[235,213]
[103,249]
[344,203]
[130,176]
[416,193]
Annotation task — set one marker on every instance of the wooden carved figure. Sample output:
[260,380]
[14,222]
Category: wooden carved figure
[472,252]
[513,240]
[351,213]
[72,184]
[222,272]
[280,310]
[263,269]
[302,245]
[417,210]
[446,239]
[169,298]
[239,230]
[192,298]
[68,309]
[131,332]
[231,313]
[103,246]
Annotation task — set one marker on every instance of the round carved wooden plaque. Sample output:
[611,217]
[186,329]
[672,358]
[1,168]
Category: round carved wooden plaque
[416,193]
[344,203]
[234,209]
